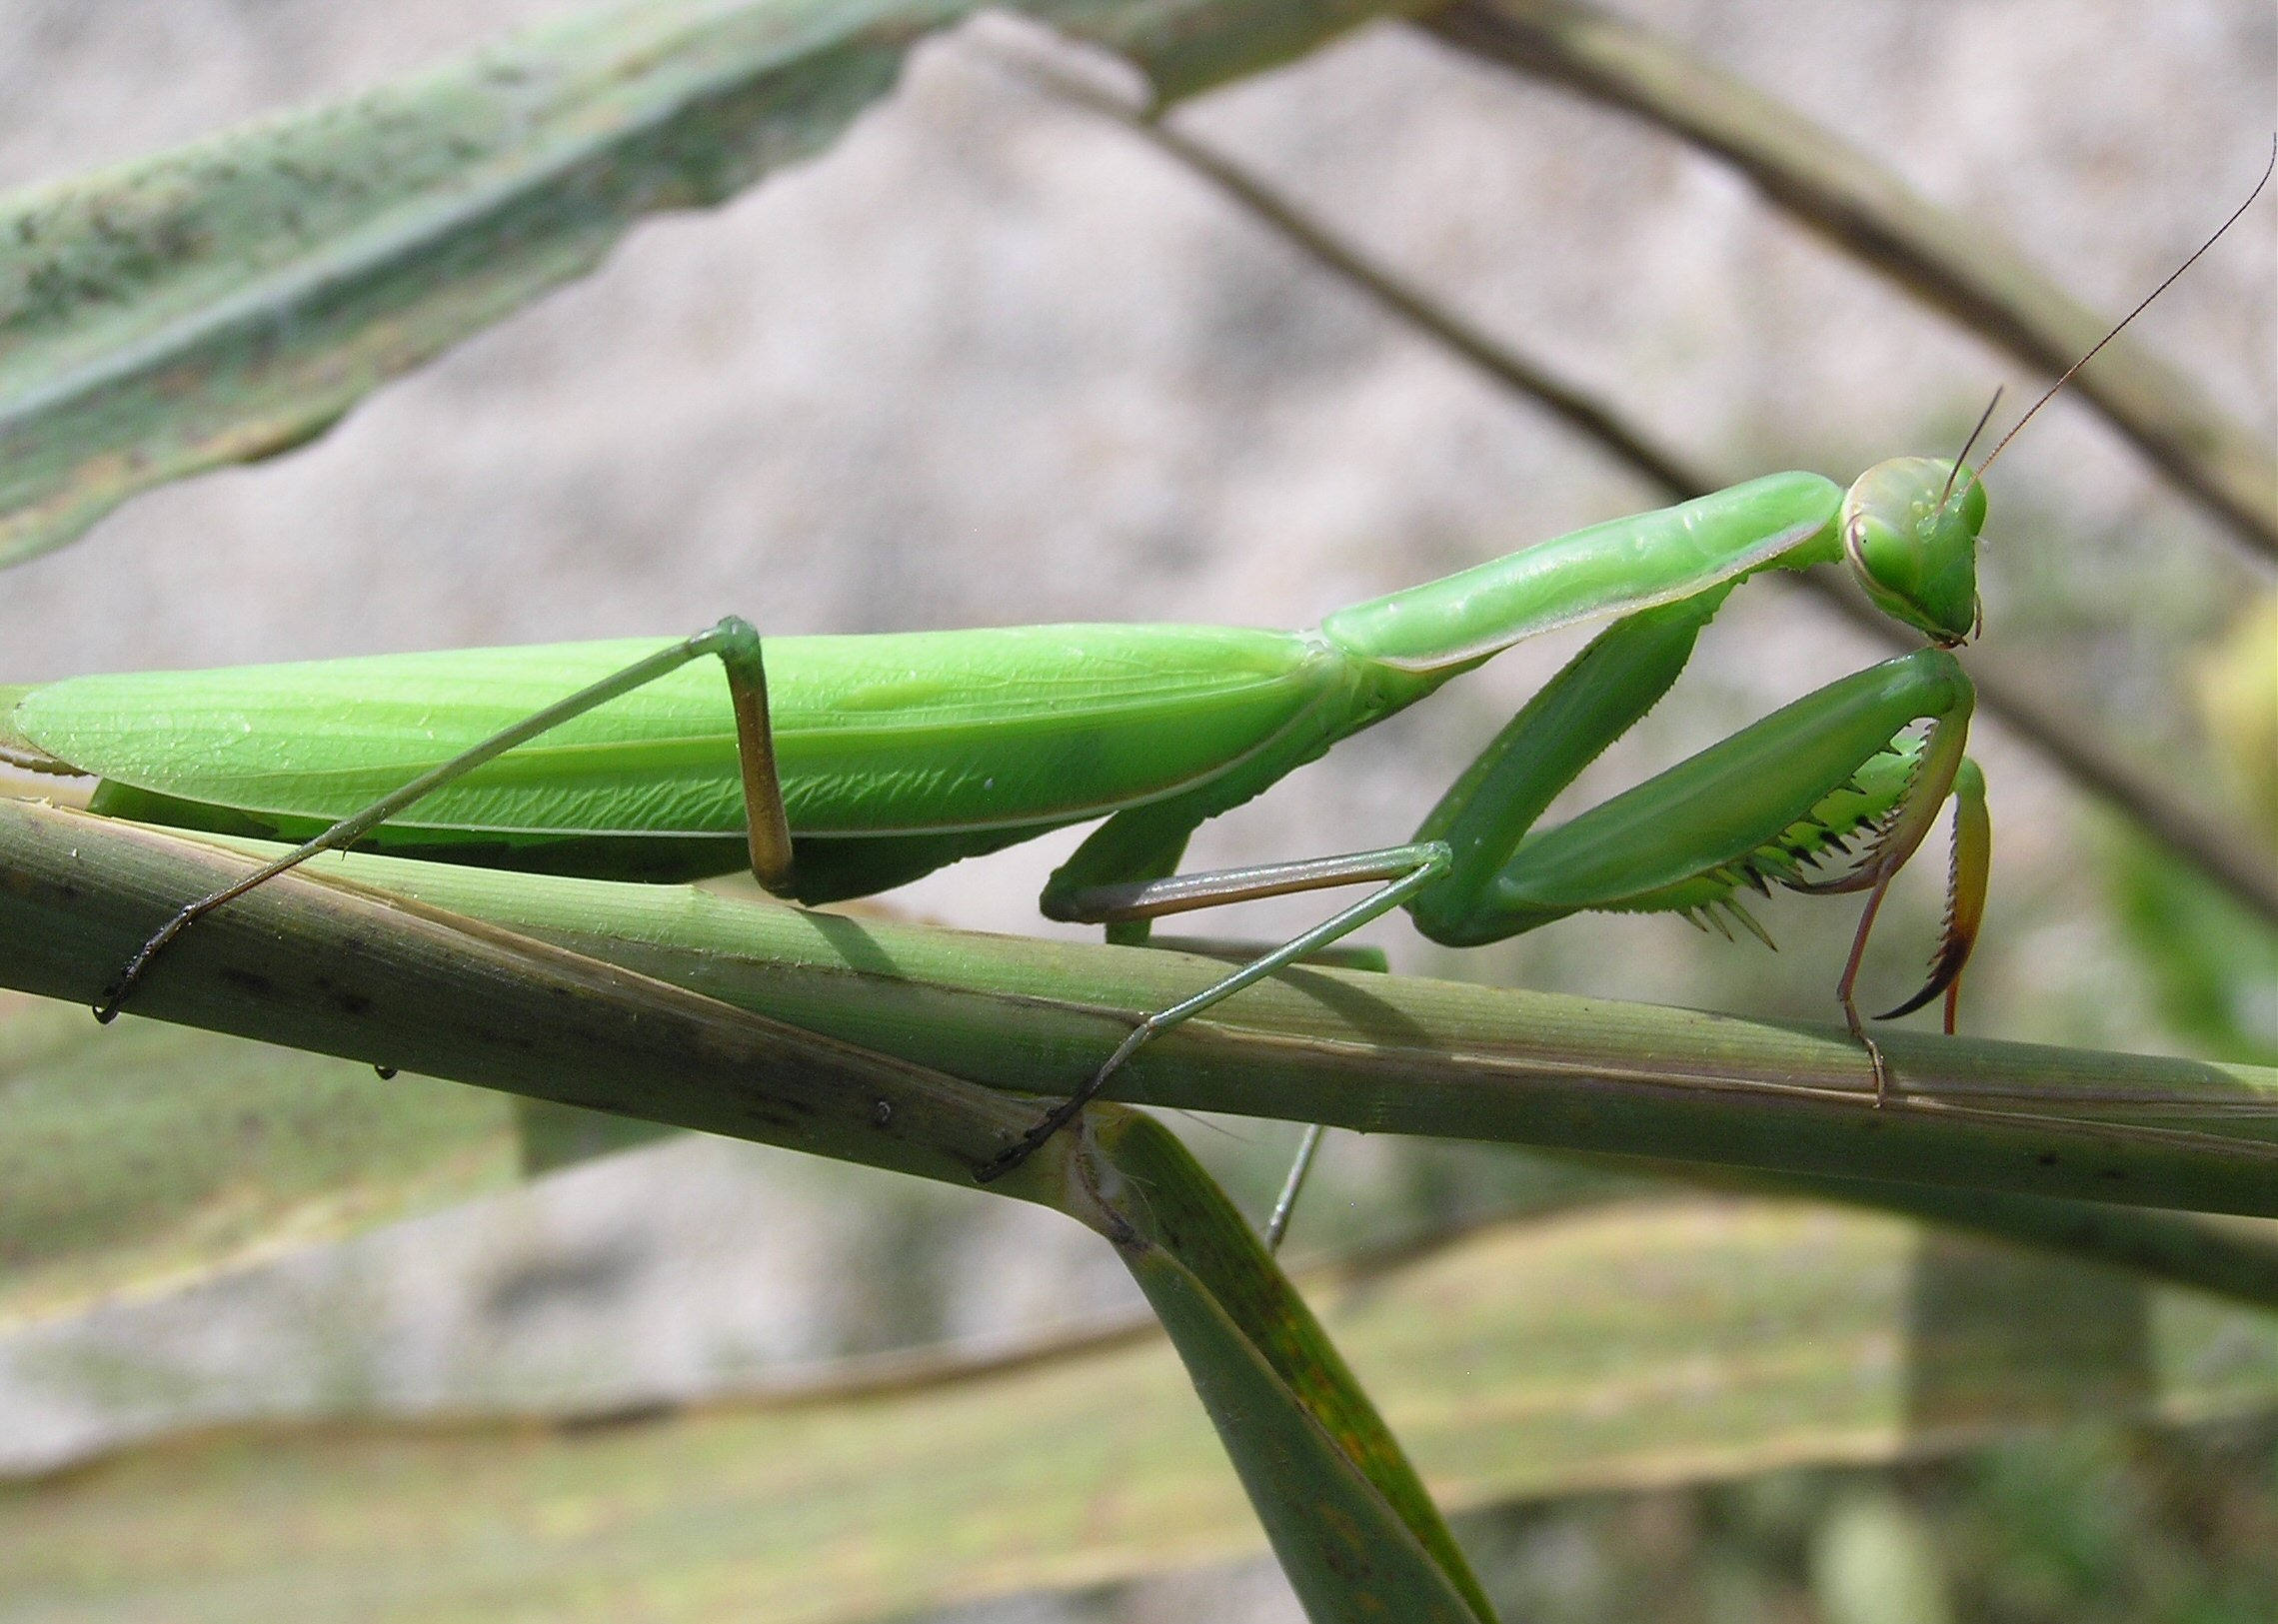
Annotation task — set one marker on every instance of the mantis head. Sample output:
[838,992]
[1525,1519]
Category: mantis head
[1910,525]
[1910,531]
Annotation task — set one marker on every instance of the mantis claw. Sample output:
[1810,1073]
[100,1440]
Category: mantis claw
[1066,1110]
[130,974]
[1882,1069]
[1966,880]
[1875,1062]
[1029,1143]
[1845,989]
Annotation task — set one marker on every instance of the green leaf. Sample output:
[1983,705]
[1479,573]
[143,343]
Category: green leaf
[134,1158]
[1353,1527]
[233,299]
[1619,1347]
[1347,1554]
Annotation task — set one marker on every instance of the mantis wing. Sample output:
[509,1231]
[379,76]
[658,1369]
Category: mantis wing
[964,739]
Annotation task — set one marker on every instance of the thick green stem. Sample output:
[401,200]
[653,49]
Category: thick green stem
[344,970]
[295,963]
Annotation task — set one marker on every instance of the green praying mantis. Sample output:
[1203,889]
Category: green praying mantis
[838,767]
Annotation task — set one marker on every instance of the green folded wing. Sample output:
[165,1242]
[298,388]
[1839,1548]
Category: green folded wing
[898,735]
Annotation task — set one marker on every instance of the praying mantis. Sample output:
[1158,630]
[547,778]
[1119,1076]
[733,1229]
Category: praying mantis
[836,768]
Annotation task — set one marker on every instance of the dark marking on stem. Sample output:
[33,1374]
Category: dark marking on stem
[625,1415]
[522,1042]
[773,1119]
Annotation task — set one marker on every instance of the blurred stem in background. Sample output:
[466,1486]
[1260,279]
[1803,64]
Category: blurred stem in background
[2230,857]
[2212,964]
[1961,266]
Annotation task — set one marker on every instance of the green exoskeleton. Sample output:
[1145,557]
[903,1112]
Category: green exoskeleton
[841,767]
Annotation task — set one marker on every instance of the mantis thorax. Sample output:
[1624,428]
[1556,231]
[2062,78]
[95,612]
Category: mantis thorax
[1910,530]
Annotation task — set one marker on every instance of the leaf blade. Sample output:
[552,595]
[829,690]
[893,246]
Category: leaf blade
[233,299]
[1617,1348]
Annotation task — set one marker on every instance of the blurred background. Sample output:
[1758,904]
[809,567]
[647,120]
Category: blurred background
[995,360]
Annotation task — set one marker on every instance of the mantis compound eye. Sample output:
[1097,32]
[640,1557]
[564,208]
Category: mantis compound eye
[1910,529]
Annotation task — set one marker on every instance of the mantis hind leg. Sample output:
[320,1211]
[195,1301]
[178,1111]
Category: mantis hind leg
[1137,844]
[736,644]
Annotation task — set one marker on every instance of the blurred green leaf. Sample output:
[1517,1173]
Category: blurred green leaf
[131,1157]
[1616,1348]
[2210,965]
[233,299]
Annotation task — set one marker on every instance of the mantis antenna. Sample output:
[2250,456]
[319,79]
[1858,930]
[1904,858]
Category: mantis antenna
[1962,455]
[2070,372]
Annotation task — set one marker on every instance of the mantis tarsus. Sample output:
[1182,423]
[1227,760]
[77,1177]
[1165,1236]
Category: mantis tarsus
[877,759]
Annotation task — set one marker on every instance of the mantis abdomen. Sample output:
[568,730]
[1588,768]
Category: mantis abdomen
[975,736]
